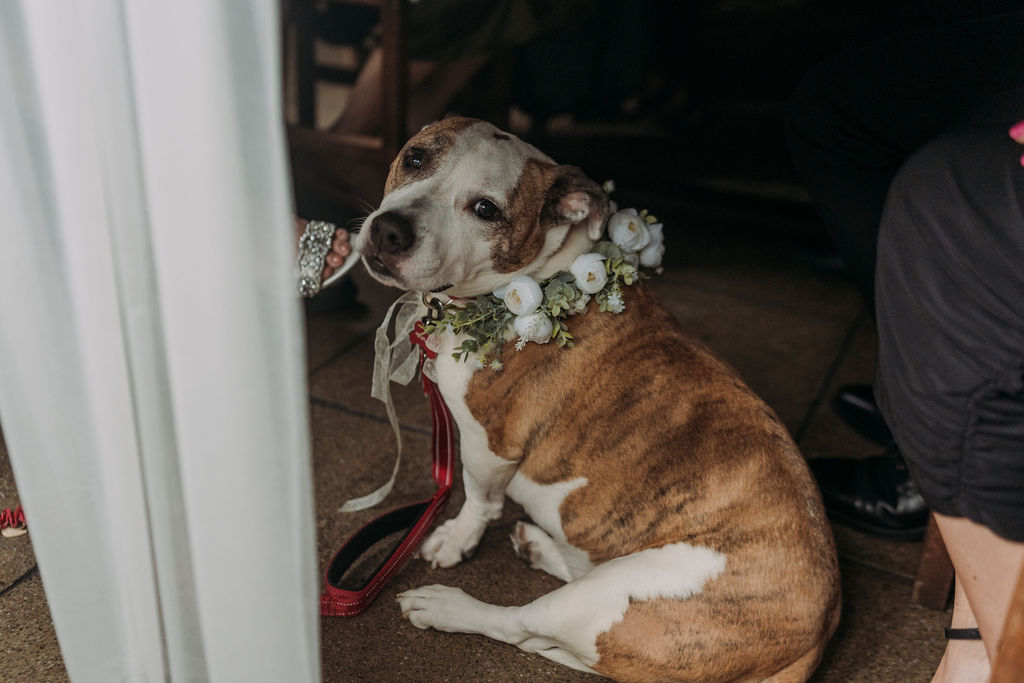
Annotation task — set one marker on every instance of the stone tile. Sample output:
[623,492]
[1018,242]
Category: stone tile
[16,555]
[762,275]
[352,456]
[899,558]
[340,348]
[881,636]
[28,643]
[346,382]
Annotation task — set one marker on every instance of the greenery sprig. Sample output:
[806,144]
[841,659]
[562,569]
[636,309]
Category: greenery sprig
[485,319]
[538,312]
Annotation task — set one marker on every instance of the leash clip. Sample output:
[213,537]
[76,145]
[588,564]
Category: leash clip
[435,308]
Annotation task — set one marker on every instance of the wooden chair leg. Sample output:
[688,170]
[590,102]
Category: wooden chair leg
[933,583]
[1009,667]
[395,73]
[302,16]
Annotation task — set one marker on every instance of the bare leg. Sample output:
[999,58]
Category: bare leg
[987,567]
[964,661]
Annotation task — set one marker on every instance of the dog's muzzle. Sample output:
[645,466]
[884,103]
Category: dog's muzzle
[391,236]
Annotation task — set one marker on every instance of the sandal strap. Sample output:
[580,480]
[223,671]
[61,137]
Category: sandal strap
[963,634]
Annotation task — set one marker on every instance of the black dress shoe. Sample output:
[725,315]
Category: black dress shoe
[874,495]
[856,405]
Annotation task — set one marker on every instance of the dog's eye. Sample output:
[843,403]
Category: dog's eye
[414,158]
[486,209]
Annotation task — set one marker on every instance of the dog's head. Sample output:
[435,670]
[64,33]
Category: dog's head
[467,207]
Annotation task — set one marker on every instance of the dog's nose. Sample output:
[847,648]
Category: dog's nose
[391,233]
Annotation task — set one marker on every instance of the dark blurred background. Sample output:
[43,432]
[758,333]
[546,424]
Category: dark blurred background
[681,103]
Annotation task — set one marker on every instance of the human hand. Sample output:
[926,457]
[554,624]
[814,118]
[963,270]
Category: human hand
[340,248]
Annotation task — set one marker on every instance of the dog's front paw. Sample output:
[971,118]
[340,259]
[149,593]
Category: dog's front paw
[441,607]
[452,542]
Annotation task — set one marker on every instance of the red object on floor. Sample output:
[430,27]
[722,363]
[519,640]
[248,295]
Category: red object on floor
[12,522]
[417,517]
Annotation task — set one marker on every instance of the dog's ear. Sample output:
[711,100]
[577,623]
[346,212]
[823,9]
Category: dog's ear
[573,198]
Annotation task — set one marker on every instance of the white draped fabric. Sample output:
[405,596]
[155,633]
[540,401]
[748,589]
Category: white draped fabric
[152,390]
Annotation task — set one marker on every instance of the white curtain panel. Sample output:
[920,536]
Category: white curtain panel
[152,390]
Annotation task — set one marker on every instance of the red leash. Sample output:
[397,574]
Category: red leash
[417,518]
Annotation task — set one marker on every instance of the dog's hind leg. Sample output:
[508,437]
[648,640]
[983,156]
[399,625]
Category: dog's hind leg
[564,624]
[542,552]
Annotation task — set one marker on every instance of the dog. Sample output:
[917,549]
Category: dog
[661,489]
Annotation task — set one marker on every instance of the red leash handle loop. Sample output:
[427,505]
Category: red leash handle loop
[417,518]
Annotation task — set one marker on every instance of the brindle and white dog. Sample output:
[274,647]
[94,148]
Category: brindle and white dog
[666,494]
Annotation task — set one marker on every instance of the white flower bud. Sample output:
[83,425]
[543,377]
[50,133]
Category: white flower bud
[589,271]
[628,231]
[523,295]
[535,327]
[650,257]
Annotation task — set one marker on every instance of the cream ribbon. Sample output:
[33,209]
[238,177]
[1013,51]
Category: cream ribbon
[394,361]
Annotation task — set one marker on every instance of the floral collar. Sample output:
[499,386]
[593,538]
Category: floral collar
[537,311]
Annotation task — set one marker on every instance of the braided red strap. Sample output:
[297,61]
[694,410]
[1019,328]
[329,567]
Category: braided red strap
[416,518]
[12,522]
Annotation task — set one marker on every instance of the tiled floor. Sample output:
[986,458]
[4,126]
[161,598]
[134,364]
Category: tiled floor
[782,314]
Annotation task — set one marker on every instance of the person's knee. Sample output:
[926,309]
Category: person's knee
[924,176]
[948,254]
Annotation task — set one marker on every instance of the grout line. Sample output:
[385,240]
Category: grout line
[324,403]
[21,579]
[833,368]
[341,352]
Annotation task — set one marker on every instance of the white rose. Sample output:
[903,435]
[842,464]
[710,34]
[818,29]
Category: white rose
[628,231]
[650,257]
[535,327]
[523,295]
[588,269]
